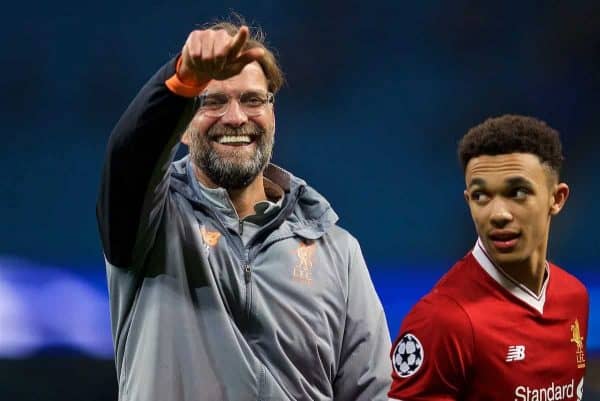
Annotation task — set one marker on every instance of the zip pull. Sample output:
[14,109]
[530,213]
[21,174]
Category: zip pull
[247,273]
[241,227]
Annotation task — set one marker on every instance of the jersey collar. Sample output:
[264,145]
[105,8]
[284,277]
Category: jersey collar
[511,285]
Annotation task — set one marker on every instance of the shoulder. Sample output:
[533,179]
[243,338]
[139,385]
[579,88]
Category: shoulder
[444,310]
[345,247]
[311,208]
[341,237]
[566,284]
[436,310]
[460,281]
[434,347]
[345,251]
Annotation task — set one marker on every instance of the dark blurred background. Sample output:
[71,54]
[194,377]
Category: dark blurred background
[378,95]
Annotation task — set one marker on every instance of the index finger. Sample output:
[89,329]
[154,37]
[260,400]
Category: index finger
[238,41]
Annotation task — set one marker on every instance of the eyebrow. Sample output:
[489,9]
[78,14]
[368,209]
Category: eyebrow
[511,181]
[477,182]
[519,181]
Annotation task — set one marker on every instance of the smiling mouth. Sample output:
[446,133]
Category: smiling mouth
[235,140]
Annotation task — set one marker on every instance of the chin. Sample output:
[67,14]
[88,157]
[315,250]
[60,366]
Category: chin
[505,258]
[236,157]
[235,153]
[508,258]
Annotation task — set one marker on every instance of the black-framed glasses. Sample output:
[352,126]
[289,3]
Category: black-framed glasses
[252,103]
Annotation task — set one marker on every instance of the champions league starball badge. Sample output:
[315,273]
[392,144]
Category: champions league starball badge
[408,355]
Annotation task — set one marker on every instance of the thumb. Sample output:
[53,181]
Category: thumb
[248,56]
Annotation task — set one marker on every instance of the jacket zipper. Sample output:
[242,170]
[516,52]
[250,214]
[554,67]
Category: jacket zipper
[247,273]
[246,265]
[249,255]
[247,268]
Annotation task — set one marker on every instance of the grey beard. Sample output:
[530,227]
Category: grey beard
[231,173]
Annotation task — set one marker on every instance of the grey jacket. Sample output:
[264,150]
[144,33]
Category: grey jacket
[198,315]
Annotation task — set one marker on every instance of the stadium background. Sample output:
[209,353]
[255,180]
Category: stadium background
[376,100]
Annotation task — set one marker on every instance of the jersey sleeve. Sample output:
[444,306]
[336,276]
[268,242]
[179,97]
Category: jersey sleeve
[433,353]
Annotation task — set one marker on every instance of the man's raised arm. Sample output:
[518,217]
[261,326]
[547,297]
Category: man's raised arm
[142,145]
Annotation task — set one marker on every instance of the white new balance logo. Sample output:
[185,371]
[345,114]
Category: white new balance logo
[515,353]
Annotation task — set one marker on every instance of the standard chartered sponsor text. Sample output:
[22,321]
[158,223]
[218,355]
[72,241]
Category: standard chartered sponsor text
[554,392]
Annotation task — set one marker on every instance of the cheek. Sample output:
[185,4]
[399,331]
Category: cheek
[197,128]
[201,124]
[202,129]
[266,121]
[478,216]
[535,221]
[540,223]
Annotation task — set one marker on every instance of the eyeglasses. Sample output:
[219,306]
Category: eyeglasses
[252,103]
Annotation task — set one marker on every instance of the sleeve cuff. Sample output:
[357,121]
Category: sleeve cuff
[180,88]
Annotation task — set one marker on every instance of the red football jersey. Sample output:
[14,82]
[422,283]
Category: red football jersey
[479,335]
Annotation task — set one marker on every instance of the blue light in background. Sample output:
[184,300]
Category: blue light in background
[49,307]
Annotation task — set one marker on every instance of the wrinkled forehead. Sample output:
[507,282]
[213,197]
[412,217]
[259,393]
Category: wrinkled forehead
[500,169]
[251,78]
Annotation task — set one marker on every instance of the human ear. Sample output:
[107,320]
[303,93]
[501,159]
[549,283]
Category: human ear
[185,139]
[558,198]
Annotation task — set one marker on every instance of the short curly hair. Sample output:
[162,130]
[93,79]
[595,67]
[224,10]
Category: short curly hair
[512,134]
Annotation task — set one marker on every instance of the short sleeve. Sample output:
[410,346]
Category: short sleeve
[433,353]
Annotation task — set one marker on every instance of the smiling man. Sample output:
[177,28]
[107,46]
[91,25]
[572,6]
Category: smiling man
[503,323]
[228,276]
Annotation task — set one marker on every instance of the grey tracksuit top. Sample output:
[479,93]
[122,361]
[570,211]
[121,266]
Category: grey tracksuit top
[199,315]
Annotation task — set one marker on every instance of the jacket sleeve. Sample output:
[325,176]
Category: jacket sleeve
[364,368]
[134,180]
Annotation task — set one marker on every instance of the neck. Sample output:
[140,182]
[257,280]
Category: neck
[530,272]
[243,199]
[531,276]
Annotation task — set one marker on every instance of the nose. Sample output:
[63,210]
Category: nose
[234,116]
[500,215]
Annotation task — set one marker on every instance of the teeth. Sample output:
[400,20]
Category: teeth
[234,139]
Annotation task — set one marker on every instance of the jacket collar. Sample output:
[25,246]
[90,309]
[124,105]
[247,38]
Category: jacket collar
[308,213]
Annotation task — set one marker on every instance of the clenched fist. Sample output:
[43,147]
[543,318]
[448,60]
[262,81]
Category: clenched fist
[214,54]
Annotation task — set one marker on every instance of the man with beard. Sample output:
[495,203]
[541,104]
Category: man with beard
[228,276]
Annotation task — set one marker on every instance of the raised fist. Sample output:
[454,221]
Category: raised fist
[214,54]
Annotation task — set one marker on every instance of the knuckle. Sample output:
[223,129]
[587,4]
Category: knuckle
[221,53]
[194,51]
[196,36]
[202,36]
[222,34]
[194,43]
